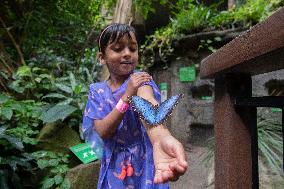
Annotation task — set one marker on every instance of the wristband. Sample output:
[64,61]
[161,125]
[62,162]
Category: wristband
[122,106]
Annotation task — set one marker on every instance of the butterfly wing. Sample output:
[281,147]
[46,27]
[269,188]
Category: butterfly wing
[166,108]
[144,108]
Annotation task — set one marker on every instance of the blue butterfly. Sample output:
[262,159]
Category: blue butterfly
[154,115]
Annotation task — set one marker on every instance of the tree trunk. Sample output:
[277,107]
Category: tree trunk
[231,4]
[123,12]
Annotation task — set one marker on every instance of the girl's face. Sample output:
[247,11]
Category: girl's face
[121,57]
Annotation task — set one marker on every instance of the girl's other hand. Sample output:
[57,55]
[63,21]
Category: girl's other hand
[135,81]
[169,158]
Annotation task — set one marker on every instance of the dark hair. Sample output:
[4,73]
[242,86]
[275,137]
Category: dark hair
[112,33]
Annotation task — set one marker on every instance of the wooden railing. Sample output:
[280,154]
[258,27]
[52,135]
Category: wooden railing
[256,51]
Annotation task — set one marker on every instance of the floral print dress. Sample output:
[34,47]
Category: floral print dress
[127,157]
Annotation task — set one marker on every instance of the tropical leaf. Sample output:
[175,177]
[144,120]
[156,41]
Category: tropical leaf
[66,102]
[3,98]
[72,80]
[13,141]
[24,71]
[58,179]
[42,163]
[4,75]
[65,184]
[57,112]
[7,112]
[54,95]
[64,88]
[48,183]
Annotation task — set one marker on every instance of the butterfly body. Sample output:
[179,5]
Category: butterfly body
[154,115]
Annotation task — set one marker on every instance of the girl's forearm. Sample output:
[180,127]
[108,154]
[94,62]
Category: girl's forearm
[157,132]
[106,127]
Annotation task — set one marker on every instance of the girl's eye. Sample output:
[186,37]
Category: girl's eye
[133,49]
[117,49]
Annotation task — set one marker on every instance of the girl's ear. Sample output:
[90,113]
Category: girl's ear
[100,58]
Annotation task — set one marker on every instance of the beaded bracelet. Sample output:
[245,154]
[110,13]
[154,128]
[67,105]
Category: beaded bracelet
[122,106]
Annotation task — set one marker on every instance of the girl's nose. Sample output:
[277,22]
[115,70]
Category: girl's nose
[127,52]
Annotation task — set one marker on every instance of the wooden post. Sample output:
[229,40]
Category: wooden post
[235,152]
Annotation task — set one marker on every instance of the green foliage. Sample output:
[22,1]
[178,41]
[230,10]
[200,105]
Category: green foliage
[270,145]
[160,43]
[145,6]
[57,165]
[10,166]
[192,17]
[208,44]
[20,119]
[65,22]
[17,134]
[247,14]
[51,85]
[70,91]
[64,92]
[19,126]
[57,112]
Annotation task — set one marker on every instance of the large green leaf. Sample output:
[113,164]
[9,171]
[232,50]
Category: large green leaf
[65,184]
[17,143]
[58,179]
[3,98]
[72,80]
[48,183]
[24,71]
[64,88]
[42,163]
[54,95]
[4,75]
[7,112]
[66,102]
[57,112]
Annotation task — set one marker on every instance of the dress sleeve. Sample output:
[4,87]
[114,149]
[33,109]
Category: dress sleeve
[93,111]
[156,91]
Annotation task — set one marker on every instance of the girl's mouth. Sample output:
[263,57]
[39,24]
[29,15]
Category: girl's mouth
[126,62]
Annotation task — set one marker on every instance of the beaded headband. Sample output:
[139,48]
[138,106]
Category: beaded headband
[102,35]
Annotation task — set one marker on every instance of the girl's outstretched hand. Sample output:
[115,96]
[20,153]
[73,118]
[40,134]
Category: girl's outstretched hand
[169,159]
[135,81]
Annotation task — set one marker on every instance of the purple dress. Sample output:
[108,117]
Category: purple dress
[129,145]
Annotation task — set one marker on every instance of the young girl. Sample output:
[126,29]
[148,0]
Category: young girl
[135,154]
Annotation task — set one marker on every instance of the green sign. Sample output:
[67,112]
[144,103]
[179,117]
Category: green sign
[84,152]
[276,109]
[187,73]
[206,97]
[163,86]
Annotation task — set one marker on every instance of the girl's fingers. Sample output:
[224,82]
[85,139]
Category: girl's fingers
[141,74]
[177,168]
[142,81]
[180,155]
[158,177]
[138,78]
[167,175]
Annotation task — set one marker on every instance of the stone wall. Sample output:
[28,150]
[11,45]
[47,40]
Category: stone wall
[192,120]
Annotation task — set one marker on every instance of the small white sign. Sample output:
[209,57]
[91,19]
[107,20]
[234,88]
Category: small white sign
[164,95]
